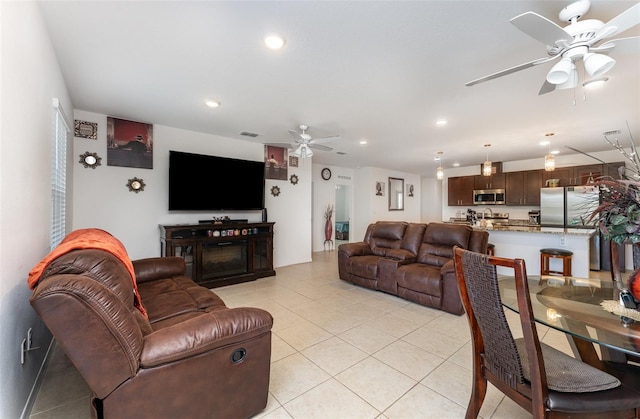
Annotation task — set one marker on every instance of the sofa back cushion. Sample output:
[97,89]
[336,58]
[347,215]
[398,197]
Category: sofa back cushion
[386,235]
[438,241]
[103,268]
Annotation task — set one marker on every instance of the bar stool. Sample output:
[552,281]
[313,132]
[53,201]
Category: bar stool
[491,249]
[547,254]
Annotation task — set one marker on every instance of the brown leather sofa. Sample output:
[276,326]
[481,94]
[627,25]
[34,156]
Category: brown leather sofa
[192,358]
[411,260]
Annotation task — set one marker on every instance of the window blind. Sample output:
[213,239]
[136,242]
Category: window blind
[58,175]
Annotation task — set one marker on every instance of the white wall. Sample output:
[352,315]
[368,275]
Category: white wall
[102,199]
[431,200]
[29,79]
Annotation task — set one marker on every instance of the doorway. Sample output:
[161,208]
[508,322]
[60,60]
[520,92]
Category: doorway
[342,214]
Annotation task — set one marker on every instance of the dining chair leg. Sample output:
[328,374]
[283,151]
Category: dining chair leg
[478,393]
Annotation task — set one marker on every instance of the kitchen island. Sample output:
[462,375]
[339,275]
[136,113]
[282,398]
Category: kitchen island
[525,242]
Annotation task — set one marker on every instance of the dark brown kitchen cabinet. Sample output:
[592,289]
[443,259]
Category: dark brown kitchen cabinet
[523,188]
[496,181]
[460,190]
[576,175]
[585,174]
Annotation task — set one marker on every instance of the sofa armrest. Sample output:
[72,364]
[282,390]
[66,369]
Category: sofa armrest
[202,334]
[151,269]
[401,254]
[355,249]
[448,267]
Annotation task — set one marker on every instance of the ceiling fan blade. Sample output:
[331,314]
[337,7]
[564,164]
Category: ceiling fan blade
[319,147]
[546,88]
[323,140]
[296,135]
[512,70]
[625,20]
[542,29]
[629,45]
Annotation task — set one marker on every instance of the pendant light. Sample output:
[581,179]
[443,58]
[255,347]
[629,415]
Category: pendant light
[486,166]
[439,170]
[549,159]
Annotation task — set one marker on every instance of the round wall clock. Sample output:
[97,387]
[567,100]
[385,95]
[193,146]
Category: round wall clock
[326,173]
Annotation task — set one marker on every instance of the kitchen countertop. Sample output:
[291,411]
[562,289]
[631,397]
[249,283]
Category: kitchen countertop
[521,227]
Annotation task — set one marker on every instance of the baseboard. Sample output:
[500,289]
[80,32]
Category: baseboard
[33,394]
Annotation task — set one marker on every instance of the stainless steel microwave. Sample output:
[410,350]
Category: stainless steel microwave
[488,197]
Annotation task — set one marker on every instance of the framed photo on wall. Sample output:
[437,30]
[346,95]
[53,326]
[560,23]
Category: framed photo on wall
[275,162]
[129,143]
[379,188]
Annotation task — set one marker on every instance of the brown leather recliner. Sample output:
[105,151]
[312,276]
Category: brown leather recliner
[411,260]
[192,358]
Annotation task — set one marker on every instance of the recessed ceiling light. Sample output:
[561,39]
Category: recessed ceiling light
[274,41]
[456,164]
[595,83]
[441,122]
[212,103]
[363,142]
[555,151]
[546,142]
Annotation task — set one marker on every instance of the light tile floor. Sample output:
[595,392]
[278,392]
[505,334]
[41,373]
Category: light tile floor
[338,350]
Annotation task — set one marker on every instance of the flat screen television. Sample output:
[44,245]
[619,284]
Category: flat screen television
[200,182]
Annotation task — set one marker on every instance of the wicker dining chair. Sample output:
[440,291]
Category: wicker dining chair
[544,381]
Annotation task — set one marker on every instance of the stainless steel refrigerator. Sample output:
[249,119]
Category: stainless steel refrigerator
[571,207]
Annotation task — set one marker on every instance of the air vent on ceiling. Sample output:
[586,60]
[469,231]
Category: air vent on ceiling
[249,134]
[614,132]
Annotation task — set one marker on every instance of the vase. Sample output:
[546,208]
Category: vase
[328,229]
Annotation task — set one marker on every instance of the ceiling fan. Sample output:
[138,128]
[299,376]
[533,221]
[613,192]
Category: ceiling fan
[304,144]
[576,41]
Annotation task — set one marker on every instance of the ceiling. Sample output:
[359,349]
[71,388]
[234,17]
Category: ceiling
[378,71]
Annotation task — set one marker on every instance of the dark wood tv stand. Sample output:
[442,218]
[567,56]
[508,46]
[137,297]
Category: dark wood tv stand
[221,254]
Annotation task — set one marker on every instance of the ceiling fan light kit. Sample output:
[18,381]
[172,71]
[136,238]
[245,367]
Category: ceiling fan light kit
[560,72]
[597,64]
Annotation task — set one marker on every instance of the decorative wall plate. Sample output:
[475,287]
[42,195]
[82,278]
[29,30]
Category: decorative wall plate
[275,190]
[293,179]
[91,160]
[136,185]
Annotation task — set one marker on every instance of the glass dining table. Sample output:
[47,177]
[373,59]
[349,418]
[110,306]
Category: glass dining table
[576,306]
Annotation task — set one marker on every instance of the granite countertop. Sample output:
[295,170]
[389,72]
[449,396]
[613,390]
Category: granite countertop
[522,226]
[542,230]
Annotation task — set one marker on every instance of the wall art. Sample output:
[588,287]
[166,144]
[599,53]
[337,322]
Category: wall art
[136,185]
[275,162]
[410,190]
[129,143]
[84,129]
[92,160]
[379,188]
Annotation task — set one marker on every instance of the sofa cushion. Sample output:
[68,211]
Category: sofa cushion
[386,235]
[165,298]
[437,245]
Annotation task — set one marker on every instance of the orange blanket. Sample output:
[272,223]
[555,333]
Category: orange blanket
[88,238]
